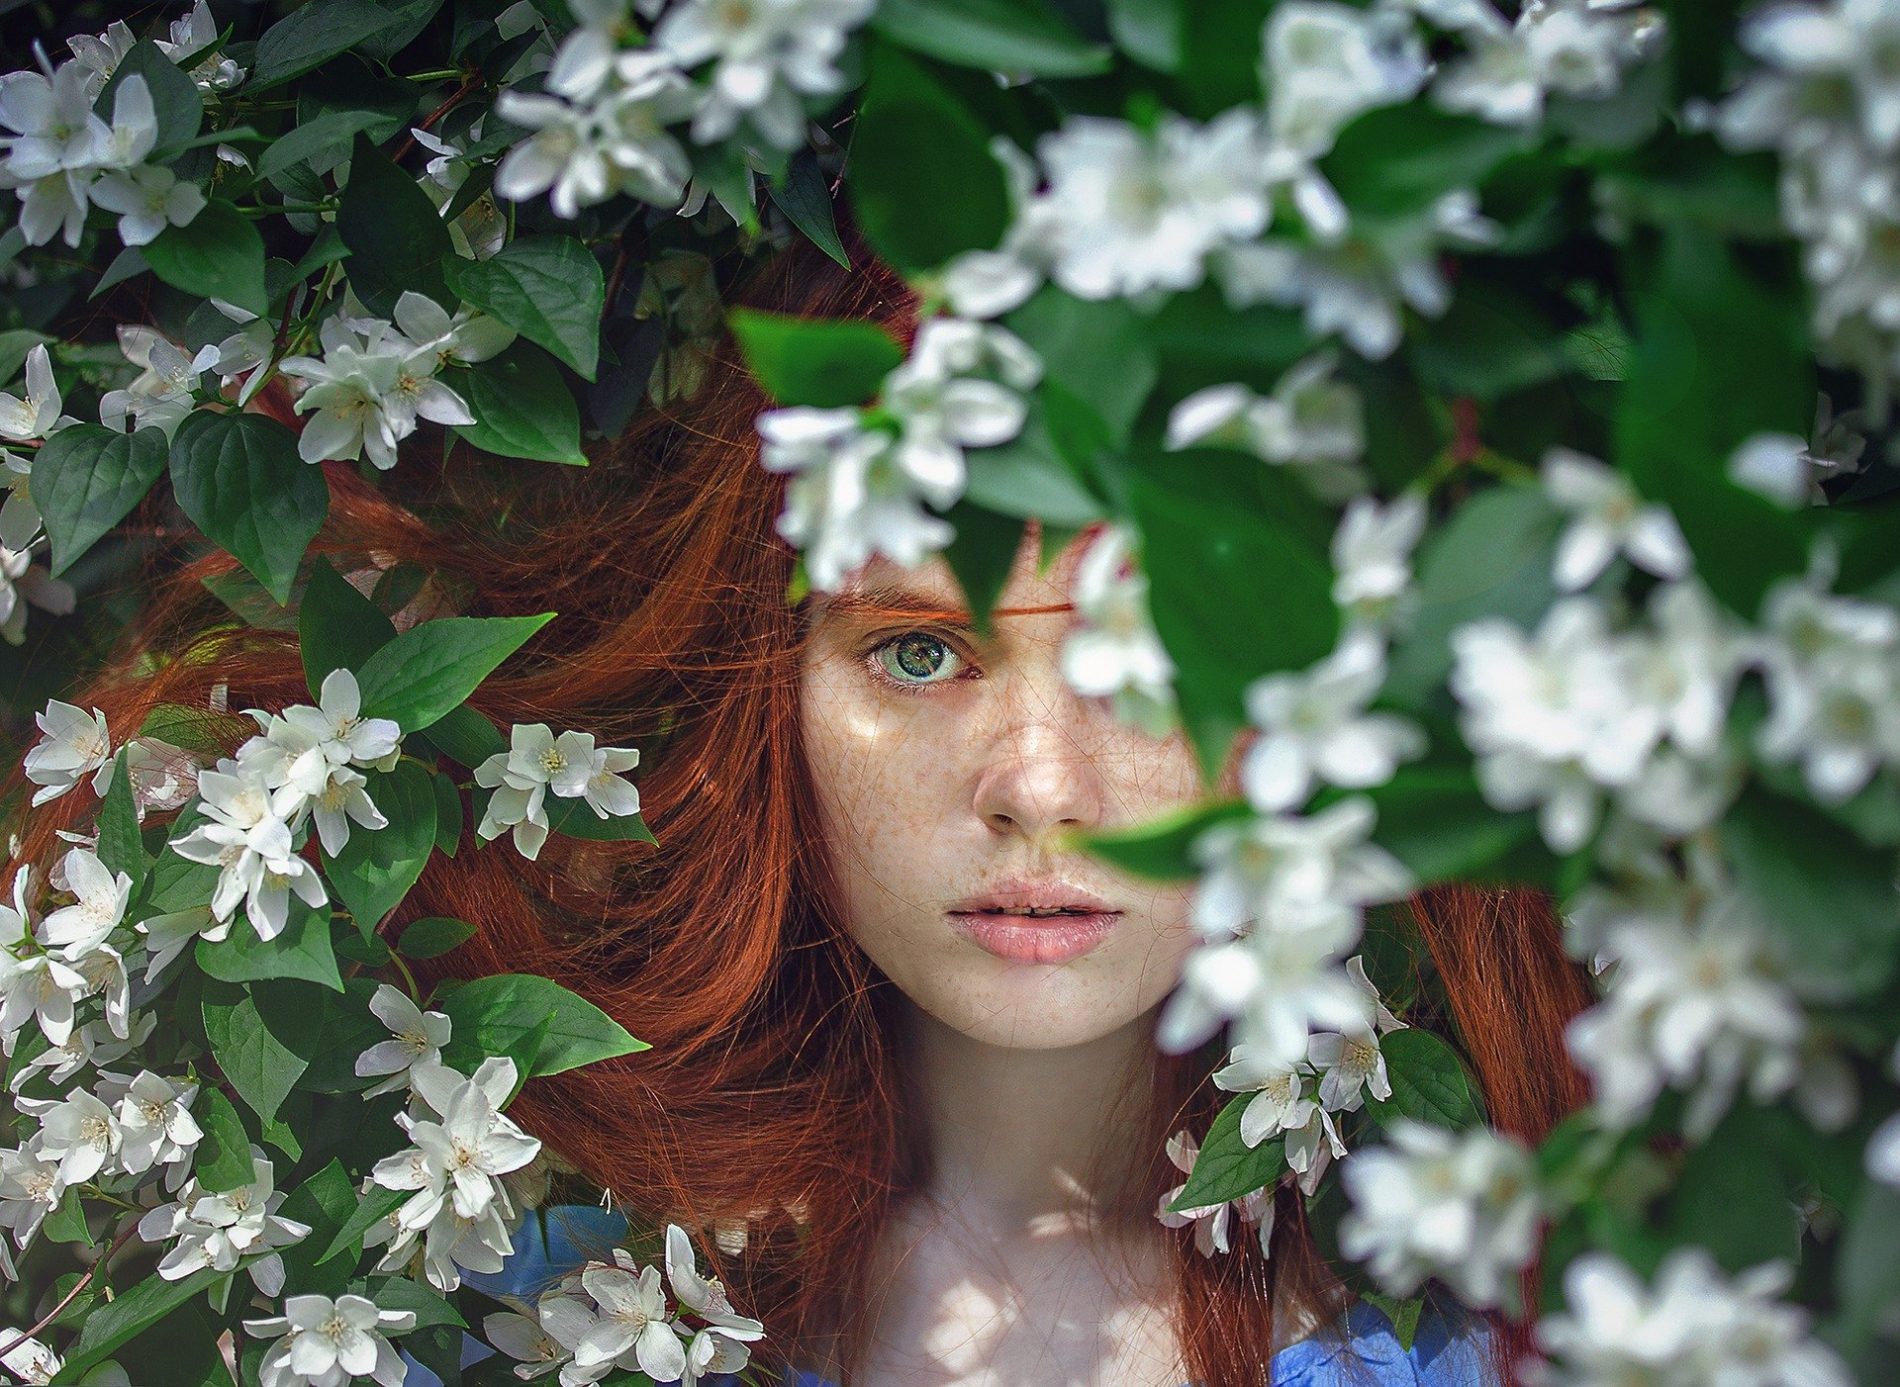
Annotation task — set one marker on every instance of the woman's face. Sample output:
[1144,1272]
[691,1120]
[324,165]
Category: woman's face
[950,771]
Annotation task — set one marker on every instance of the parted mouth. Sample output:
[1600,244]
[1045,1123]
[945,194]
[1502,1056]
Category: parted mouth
[1034,901]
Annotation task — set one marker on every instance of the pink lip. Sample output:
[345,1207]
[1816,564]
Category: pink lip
[1027,939]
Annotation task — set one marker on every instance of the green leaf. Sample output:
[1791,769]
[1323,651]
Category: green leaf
[429,1308]
[240,480]
[491,1015]
[1402,1312]
[1867,1270]
[261,1049]
[1029,476]
[314,139]
[218,252]
[67,1222]
[1397,160]
[1827,897]
[1227,1168]
[448,814]
[1732,1195]
[137,1308]
[120,848]
[1012,36]
[396,237]
[376,868]
[547,288]
[311,35]
[1721,353]
[432,936]
[15,343]
[1100,352]
[466,736]
[804,198]
[1149,31]
[1493,340]
[905,110]
[86,479]
[428,670]
[575,819]
[1162,850]
[223,1159]
[522,407]
[327,1202]
[337,627]
[981,554]
[304,950]
[1429,1083]
[812,361]
[1434,820]
[376,1206]
[176,105]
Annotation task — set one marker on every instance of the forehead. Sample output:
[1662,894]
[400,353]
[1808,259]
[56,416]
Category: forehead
[881,585]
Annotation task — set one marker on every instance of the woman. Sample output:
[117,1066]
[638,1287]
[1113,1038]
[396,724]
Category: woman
[920,1129]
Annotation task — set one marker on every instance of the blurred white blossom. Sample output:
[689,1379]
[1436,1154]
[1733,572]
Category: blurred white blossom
[1114,651]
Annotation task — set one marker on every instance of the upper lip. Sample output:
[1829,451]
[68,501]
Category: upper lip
[1024,894]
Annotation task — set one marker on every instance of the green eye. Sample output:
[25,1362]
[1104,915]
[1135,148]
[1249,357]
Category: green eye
[917,657]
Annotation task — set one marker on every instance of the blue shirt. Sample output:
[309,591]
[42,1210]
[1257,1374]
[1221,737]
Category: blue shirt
[1446,1351]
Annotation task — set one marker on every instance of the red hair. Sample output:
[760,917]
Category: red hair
[772,1086]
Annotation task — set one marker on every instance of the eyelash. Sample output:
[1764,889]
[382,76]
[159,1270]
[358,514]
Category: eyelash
[868,658]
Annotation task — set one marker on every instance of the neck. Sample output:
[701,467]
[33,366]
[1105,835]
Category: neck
[1028,1141]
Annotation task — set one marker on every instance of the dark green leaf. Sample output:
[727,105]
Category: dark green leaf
[1434,820]
[981,555]
[547,288]
[1397,160]
[311,35]
[304,950]
[262,1038]
[806,202]
[491,1015]
[432,936]
[1013,36]
[1227,1168]
[1429,1083]
[223,1159]
[1149,31]
[376,868]
[466,736]
[396,238]
[907,109]
[376,1206]
[1163,850]
[522,407]
[448,814]
[327,1202]
[240,480]
[1029,476]
[86,479]
[1100,352]
[218,252]
[134,1310]
[811,361]
[429,669]
[337,627]
[575,819]
[119,847]
[400,1293]
[332,132]
[176,105]
[67,1222]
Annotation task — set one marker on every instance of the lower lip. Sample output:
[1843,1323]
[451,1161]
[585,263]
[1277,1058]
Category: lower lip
[1020,939]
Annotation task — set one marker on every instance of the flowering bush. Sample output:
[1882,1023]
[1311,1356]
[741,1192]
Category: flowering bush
[1489,408]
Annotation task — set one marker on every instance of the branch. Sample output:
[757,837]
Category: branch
[73,1294]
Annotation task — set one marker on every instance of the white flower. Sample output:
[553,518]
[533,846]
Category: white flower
[1692,1325]
[1314,728]
[251,844]
[1833,672]
[462,340]
[705,1296]
[33,415]
[960,388]
[458,1161]
[522,776]
[584,151]
[1114,651]
[1463,1206]
[1608,518]
[1562,46]
[52,122]
[1697,1002]
[1311,421]
[849,497]
[72,746]
[1280,1108]
[29,1360]
[1778,465]
[90,1044]
[1359,285]
[766,55]
[170,934]
[148,199]
[30,1188]
[634,1330]
[163,392]
[987,283]
[1372,559]
[81,927]
[219,1229]
[249,349]
[418,1040]
[155,1122]
[541,1344]
[326,1342]
[354,391]
[1287,871]
[19,516]
[134,127]
[79,1132]
[1211,1222]
[330,735]
[22,581]
[36,985]
[1350,1063]
[191,34]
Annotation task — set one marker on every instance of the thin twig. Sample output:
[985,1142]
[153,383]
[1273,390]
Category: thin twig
[73,1294]
[469,83]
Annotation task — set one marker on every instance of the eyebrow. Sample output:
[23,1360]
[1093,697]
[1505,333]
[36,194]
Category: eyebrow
[885,602]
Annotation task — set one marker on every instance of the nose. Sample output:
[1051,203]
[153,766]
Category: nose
[1041,773]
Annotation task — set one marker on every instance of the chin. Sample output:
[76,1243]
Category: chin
[1048,1013]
